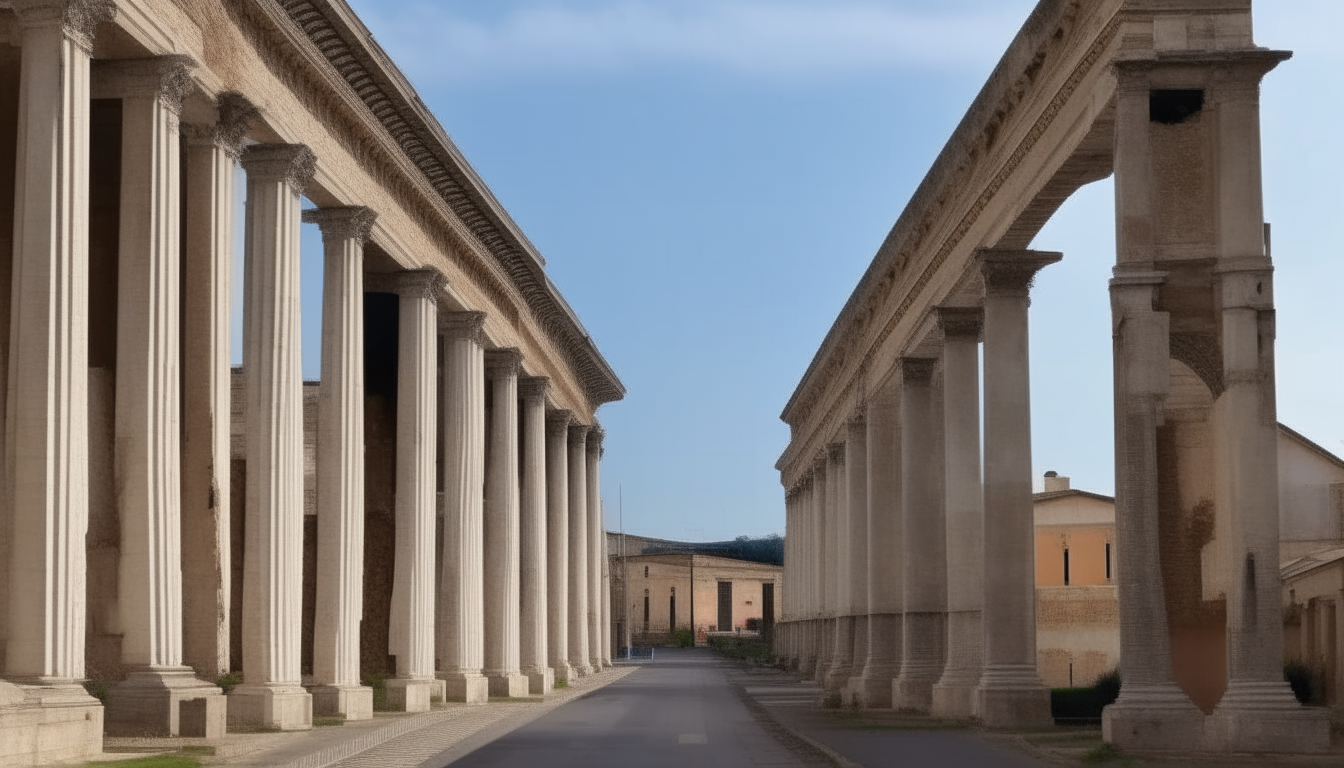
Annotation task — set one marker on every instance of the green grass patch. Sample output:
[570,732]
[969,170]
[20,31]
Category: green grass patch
[506,699]
[379,685]
[326,721]
[157,761]
[561,684]
[1106,754]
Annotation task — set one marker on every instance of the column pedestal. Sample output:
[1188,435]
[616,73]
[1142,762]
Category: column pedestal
[404,695]
[355,702]
[287,707]
[874,687]
[166,702]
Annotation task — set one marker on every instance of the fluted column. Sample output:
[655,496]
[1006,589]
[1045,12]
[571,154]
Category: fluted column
[460,627]
[270,695]
[856,485]
[411,618]
[501,527]
[924,553]
[46,425]
[207,278]
[1152,710]
[886,598]
[578,550]
[557,543]
[596,548]
[339,601]
[817,659]
[1011,693]
[839,632]
[954,695]
[533,628]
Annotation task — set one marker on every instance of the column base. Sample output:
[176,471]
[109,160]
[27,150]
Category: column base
[561,673]
[953,700]
[873,690]
[165,702]
[540,682]
[1153,717]
[849,694]
[1013,696]
[438,691]
[409,695]
[355,702]
[466,687]
[1265,717]
[287,707]
[42,724]
[579,669]
[807,666]
[912,693]
[513,685]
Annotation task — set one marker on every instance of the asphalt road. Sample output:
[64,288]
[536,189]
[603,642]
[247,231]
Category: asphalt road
[676,711]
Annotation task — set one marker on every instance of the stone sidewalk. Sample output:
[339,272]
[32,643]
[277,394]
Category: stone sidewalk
[389,740]
[875,738]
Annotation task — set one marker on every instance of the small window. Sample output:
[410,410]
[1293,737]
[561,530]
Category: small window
[1108,561]
[646,571]
[1066,566]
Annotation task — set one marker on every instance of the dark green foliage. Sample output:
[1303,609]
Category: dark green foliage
[228,680]
[682,638]
[379,685]
[157,761]
[98,689]
[1080,705]
[1307,682]
[767,549]
[742,648]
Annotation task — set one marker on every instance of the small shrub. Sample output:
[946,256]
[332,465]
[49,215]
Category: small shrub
[1107,686]
[1082,705]
[561,684]
[1307,682]
[682,638]
[379,685]
[1105,754]
[98,689]
[229,680]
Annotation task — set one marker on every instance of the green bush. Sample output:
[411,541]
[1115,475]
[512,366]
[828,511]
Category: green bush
[228,680]
[1307,682]
[736,648]
[98,689]
[682,638]
[1085,704]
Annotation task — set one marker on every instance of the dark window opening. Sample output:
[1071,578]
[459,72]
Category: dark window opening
[646,571]
[1171,107]
[672,612]
[725,606]
[1066,566]
[646,611]
[1108,561]
[768,604]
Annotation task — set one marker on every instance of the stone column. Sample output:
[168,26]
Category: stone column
[461,607]
[1011,694]
[783,640]
[147,414]
[596,548]
[557,543]
[532,538]
[606,605]
[340,467]
[856,484]
[840,625]
[501,527]
[578,551]
[886,599]
[817,660]
[411,617]
[207,277]
[954,695]
[924,553]
[271,695]
[1152,711]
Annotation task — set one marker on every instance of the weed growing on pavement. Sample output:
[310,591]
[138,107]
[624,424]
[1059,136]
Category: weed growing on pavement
[1106,754]
[157,761]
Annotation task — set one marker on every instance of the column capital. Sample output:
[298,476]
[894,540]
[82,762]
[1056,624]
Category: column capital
[292,164]
[916,370]
[79,18]
[462,325]
[533,388]
[819,463]
[412,283]
[235,116]
[350,222]
[965,323]
[595,437]
[805,484]
[1012,272]
[167,78]
[558,421]
[578,433]
[502,363]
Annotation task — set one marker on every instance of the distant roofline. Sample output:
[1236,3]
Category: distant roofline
[1052,495]
[1310,444]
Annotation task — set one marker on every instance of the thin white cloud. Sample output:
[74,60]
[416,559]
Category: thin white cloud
[755,38]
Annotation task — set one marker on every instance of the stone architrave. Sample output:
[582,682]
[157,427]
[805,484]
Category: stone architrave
[46,429]
[886,599]
[954,694]
[207,277]
[557,542]
[147,416]
[339,601]
[924,553]
[460,628]
[578,551]
[271,694]
[411,618]
[501,527]
[856,486]
[532,546]
[1011,693]
[596,548]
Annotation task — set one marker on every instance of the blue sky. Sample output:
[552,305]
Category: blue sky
[709,178]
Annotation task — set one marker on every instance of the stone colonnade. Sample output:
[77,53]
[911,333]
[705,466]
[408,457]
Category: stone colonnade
[910,547]
[482,444]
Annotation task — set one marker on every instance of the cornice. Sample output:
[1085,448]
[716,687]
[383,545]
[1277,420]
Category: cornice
[350,51]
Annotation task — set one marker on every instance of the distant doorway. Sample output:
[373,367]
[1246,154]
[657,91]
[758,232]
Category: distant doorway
[725,606]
